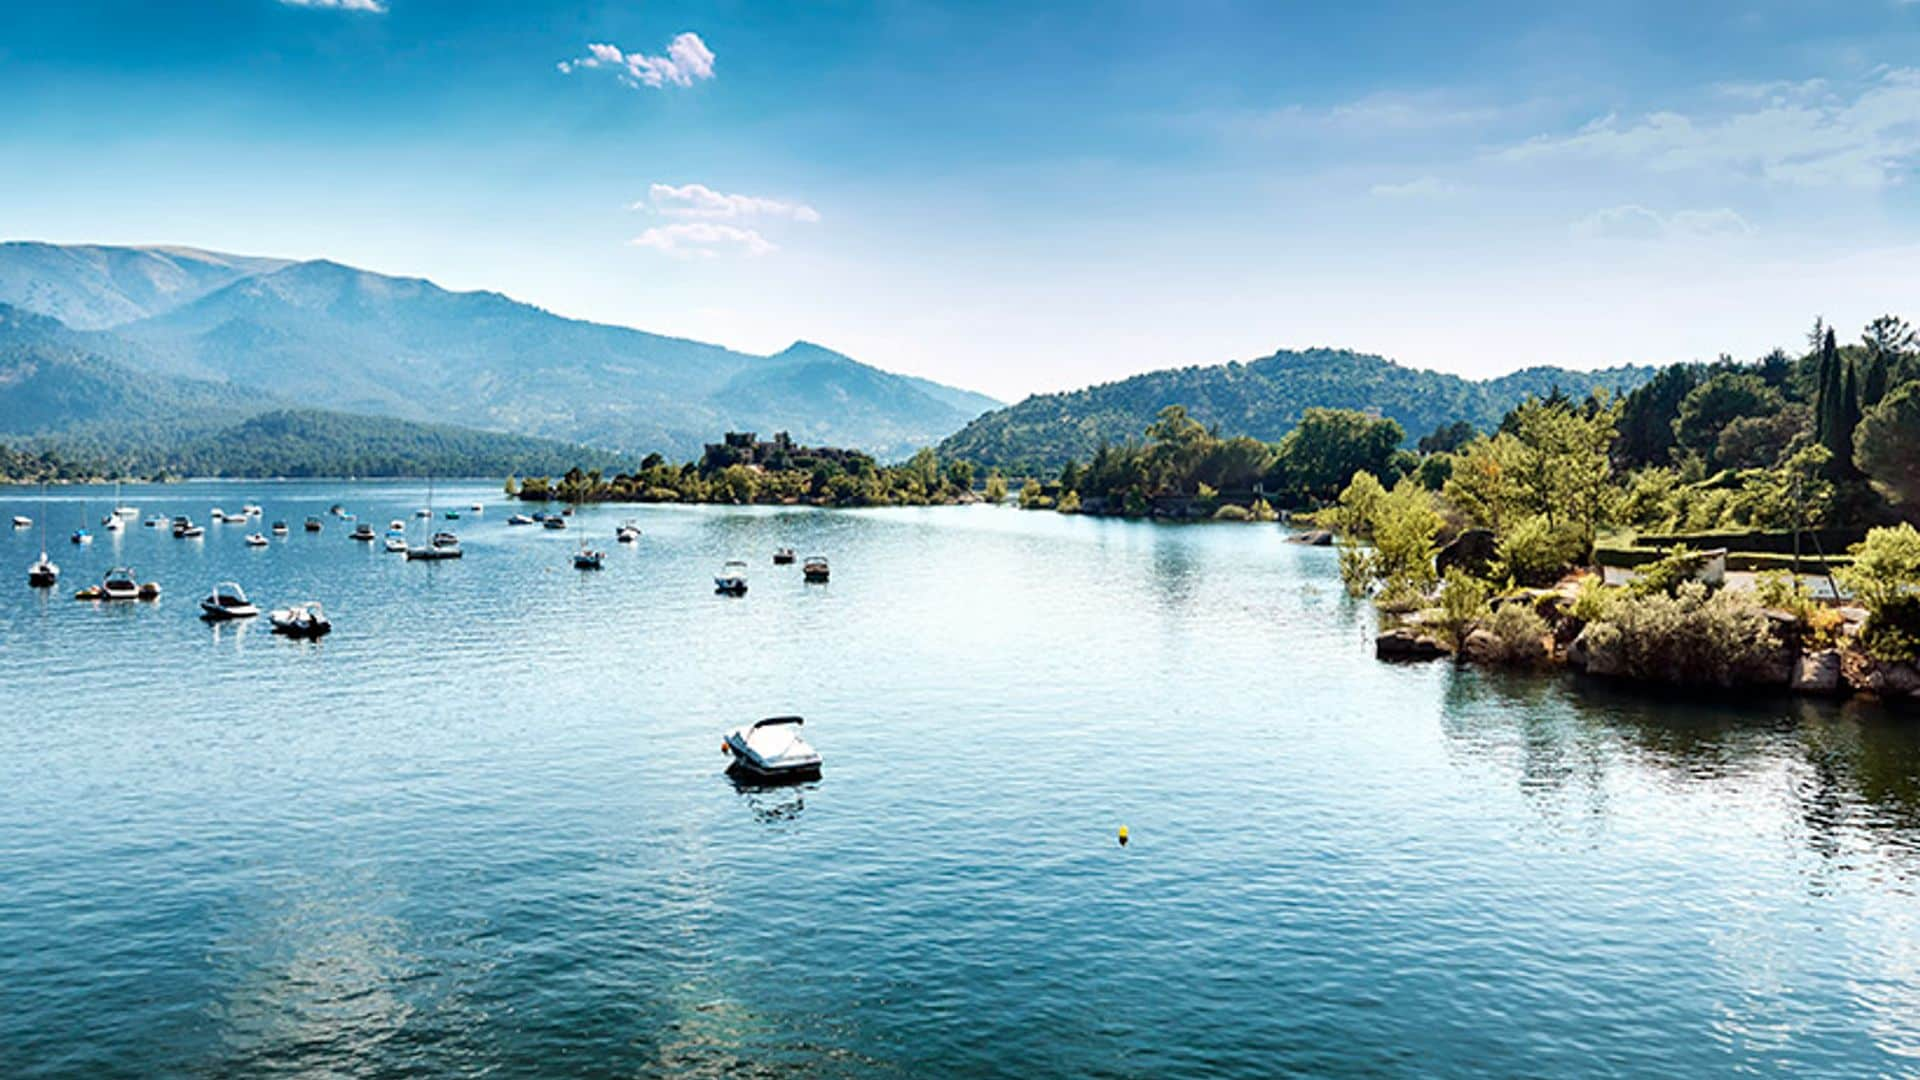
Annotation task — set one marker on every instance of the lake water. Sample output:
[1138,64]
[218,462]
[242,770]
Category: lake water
[485,827]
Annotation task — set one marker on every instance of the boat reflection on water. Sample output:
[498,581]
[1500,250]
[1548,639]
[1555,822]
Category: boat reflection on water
[771,801]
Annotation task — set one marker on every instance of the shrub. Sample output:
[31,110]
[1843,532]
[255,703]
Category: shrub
[1521,632]
[1693,636]
[1356,570]
[1230,512]
[1069,503]
[1666,574]
[1463,602]
[1595,600]
[1261,510]
[1535,552]
[1885,578]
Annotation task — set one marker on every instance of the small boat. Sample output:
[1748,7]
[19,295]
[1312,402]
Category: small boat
[44,573]
[555,521]
[783,556]
[155,522]
[476,508]
[362,531]
[21,521]
[423,512]
[185,529]
[396,543]
[306,620]
[772,750]
[313,524]
[120,584]
[588,559]
[453,515]
[540,515]
[519,519]
[113,523]
[815,568]
[252,510]
[337,510]
[445,545]
[628,532]
[216,515]
[732,578]
[396,526]
[81,536]
[279,528]
[257,540]
[227,601]
[120,509]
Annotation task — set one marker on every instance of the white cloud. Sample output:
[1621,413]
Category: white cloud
[1424,187]
[1635,222]
[1801,134]
[703,240]
[688,60]
[375,6]
[701,201]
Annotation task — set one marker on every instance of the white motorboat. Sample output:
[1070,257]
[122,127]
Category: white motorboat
[396,542]
[120,509]
[257,540]
[306,620]
[815,569]
[444,545]
[252,510]
[113,523]
[279,528]
[227,601]
[216,515]
[519,519]
[185,529]
[21,521]
[628,532]
[155,522]
[396,526]
[772,749]
[732,578]
[121,584]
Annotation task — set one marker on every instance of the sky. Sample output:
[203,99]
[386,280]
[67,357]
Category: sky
[1025,197]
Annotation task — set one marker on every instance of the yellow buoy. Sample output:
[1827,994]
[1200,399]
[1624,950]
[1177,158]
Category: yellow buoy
[1123,836]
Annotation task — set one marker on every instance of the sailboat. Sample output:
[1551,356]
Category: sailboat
[120,509]
[443,545]
[43,573]
[81,535]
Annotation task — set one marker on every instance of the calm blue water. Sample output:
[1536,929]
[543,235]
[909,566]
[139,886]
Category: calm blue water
[484,826]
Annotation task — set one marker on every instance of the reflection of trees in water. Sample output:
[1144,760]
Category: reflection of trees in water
[1854,765]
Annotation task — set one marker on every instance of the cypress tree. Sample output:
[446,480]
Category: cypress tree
[1874,387]
[1826,390]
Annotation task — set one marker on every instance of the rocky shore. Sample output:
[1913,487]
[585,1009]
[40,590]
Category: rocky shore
[1781,654]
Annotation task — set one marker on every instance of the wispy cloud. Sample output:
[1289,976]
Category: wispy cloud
[701,201]
[1795,133]
[703,240]
[374,6]
[1634,222]
[687,61]
[1424,187]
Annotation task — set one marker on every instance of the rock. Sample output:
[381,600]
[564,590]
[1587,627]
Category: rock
[1405,643]
[1313,538]
[1861,672]
[1817,672]
[1599,646]
[1472,551]
[1481,647]
[1900,679]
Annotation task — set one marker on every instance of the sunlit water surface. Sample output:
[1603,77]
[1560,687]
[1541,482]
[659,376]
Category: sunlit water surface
[484,826]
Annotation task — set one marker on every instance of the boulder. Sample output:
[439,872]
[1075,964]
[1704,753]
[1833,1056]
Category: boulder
[1472,551]
[1902,679]
[1817,672]
[1406,643]
[1313,538]
[1598,648]
[1481,647]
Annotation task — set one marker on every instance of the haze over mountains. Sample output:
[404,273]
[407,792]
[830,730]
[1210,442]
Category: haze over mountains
[320,334]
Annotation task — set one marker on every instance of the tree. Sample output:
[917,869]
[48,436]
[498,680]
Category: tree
[996,487]
[1564,472]
[1887,445]
[1837,409]
[1447,438]
[1710,407]
[1889,342]
[1329,446]
[1646,418]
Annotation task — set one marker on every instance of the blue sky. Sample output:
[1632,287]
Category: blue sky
[1022,197]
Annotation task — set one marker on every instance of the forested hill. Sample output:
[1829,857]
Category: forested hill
[1263,398]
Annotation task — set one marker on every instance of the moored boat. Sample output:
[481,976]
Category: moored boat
[81,536]
[155,522]
[21,521]
[43,573]
[732,578]
[362,531]
[783,556]
[444,545]
[257,540]
[313,524]
[306,620]
[120,583]
[588,558]
[227,601]
[554,521]
[279,528]
[628,532]
[185,529]
[772,750]
[815,569]
[519,519]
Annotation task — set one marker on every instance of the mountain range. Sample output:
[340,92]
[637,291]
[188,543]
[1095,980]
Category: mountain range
[319,334]
[1262,398]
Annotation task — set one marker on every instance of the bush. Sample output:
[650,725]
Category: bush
[1666,574]
[1230,512]
[1069,503]
[1521,632]
[1692,637]
[1261,510]
[1356,570]
[1463,602]
[1534,552]
[1885,578]
[1595,600]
